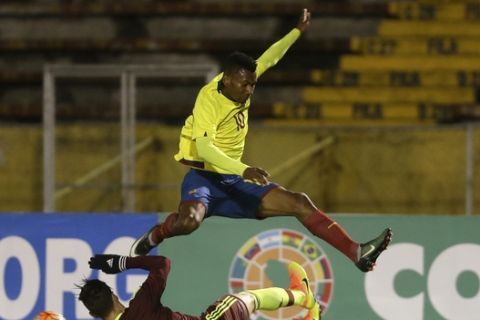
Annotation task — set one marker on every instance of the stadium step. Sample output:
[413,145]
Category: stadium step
[193,8]
[388,94]
[163,45]
[428,28]
[402,45]
[404,78]
[386,113]
[318,77]
[410,62]
[429,10]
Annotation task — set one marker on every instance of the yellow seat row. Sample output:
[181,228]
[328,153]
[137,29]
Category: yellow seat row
[383,112]
[410,62]
[404,78]
[402,45]
[434,9]
[428,28]
[388,94]
[423,67]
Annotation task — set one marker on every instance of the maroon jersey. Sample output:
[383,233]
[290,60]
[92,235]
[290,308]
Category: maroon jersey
[147,305]
[228,307]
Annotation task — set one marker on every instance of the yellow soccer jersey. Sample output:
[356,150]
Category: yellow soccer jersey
[223,120]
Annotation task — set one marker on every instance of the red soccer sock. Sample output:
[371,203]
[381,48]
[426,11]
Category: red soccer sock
[327,229]
[164,230]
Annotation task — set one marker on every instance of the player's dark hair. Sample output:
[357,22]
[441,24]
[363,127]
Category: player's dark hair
[239,60]
[96,295]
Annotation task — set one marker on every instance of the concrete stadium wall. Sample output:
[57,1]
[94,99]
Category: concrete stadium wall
[374,170]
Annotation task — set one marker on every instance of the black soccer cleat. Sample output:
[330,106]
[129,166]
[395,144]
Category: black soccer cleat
[142,246]
[370,251]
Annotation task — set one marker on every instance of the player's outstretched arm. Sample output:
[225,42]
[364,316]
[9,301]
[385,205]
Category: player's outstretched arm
[277,50]
[113,263]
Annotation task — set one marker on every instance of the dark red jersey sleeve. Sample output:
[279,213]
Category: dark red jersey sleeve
[146,303]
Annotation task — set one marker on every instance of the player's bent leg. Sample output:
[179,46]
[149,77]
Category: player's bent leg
[142,246]
[248,299]
[280,202]
[317,222]
[153,237]
[274,298]
[327,229]
[186,221]
[190,216]
[283,202]
[299,281]
[314,314]
[371,250]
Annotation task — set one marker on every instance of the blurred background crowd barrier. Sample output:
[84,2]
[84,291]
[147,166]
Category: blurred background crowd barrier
[374,110]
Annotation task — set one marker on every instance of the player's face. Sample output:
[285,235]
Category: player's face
[240,85]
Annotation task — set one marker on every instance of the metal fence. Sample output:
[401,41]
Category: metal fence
[128,75]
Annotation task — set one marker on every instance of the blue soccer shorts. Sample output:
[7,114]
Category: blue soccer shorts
[225,195]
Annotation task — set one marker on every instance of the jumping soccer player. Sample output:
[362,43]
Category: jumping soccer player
[220,184]
[101,302]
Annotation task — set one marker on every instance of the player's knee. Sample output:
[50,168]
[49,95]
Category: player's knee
[188,224]
[302,203]
[190,218]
